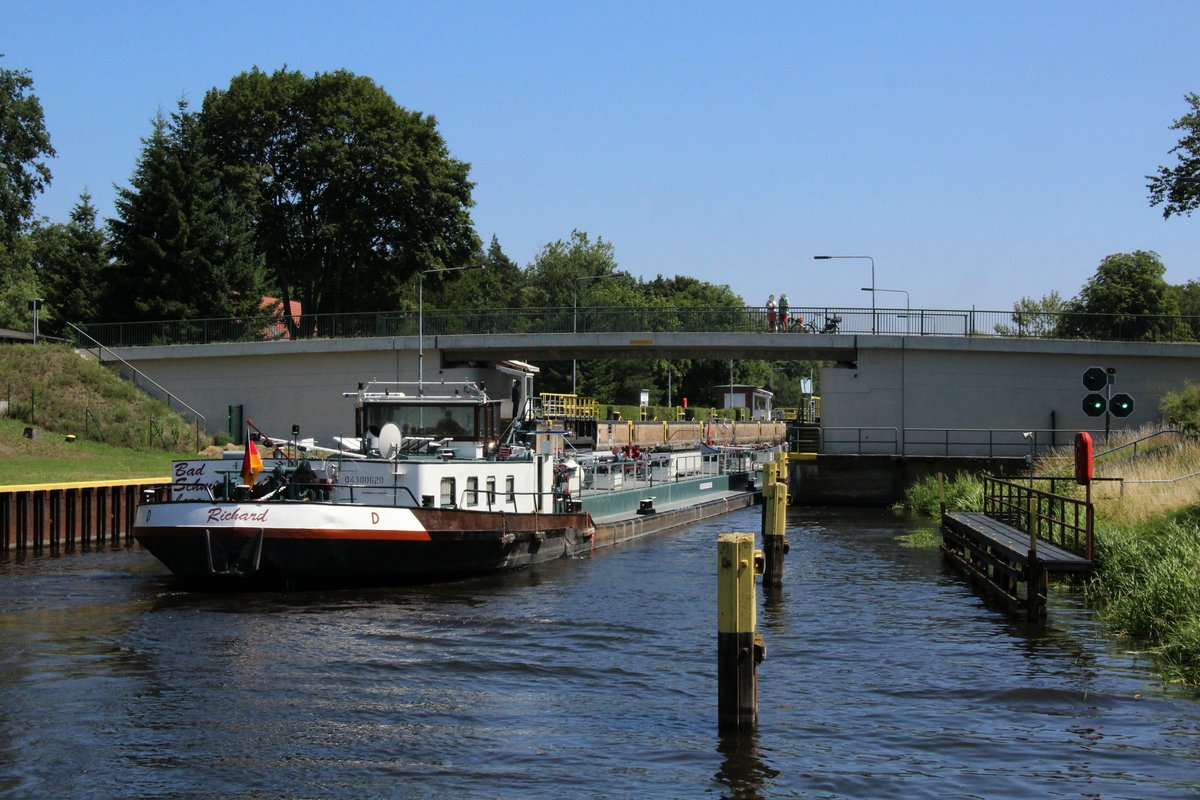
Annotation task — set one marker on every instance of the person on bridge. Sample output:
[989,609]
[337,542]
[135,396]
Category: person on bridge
[783,311]
[771,313]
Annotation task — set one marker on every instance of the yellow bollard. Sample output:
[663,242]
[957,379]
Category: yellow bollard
[739,648]
[775,500]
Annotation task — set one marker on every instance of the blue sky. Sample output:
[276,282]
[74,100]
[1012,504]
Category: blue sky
[979,152]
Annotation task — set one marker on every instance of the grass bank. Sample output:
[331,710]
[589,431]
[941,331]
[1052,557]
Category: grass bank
[119,431]
[1146,584]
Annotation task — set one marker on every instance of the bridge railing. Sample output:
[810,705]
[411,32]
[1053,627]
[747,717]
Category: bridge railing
[683,319]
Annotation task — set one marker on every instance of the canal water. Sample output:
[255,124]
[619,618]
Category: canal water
[885,677]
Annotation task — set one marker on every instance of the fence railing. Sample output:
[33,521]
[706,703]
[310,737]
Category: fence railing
[567,320]
[1063,521]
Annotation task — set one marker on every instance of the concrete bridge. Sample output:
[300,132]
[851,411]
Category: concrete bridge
[889,393]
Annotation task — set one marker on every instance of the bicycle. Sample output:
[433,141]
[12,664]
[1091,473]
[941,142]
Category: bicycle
[832,325]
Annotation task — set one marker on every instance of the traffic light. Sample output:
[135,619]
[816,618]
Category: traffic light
[1094,405]
[1121,405]
[1095,379]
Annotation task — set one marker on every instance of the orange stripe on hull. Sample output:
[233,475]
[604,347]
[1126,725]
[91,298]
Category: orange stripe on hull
[288,533]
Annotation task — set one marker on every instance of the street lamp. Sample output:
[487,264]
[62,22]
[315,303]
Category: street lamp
[34,306]
[907,305]
[421,320]
[868,258]
[575,315]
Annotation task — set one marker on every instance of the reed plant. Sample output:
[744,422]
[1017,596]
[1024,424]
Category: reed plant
[963,492]
[1146,585]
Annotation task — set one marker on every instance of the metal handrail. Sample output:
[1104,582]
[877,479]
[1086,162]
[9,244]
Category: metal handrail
[859,440]
[1135,442]
[198,417]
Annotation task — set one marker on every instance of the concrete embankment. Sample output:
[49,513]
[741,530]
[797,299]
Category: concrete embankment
[874,480]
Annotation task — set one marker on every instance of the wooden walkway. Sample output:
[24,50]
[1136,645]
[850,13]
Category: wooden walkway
[996,550]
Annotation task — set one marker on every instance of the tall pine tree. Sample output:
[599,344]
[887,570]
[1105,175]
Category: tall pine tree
[183,246]
[71,260]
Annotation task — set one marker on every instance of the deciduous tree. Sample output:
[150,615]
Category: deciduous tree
[1189,305]
[1035,318]
[24,146]
[351,194]
[1127,299]
[1177,188]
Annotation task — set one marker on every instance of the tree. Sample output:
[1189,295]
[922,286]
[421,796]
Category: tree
[18,284]
[564,273]
[183,246]
[351,195]
[1177,188]
[1035,318]
[24,142]
[71,260]
[567,278]
[1189,305]
[1127,299]
[498,285]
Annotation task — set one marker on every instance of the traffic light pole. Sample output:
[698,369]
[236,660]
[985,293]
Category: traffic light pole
[1108,408]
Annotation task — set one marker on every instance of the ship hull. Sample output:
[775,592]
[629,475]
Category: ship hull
[246,545]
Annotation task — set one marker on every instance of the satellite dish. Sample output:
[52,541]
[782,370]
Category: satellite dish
[389,440]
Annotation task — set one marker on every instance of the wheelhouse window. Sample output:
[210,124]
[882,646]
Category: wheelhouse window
[457,420]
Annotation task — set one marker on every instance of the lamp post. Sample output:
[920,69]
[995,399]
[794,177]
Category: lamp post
[35,305]
[907,305]
[868,258]
[421,320]
[575,315]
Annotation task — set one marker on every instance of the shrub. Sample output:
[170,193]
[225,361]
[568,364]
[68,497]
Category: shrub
[1182,408]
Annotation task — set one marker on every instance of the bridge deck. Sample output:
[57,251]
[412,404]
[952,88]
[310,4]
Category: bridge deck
[1012,542]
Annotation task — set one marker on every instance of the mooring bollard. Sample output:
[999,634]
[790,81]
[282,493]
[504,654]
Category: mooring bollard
[739,648]
[774,531]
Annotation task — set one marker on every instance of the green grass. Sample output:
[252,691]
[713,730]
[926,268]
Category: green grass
[1147,587]
[51,459]
[922,538]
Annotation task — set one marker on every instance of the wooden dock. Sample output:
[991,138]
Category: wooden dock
[1022,537]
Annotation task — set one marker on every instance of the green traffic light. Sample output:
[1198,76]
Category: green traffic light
[1094,405]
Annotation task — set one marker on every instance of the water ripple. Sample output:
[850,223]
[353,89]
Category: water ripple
[886,676]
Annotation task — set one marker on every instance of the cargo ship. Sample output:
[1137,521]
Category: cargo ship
[429,488]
